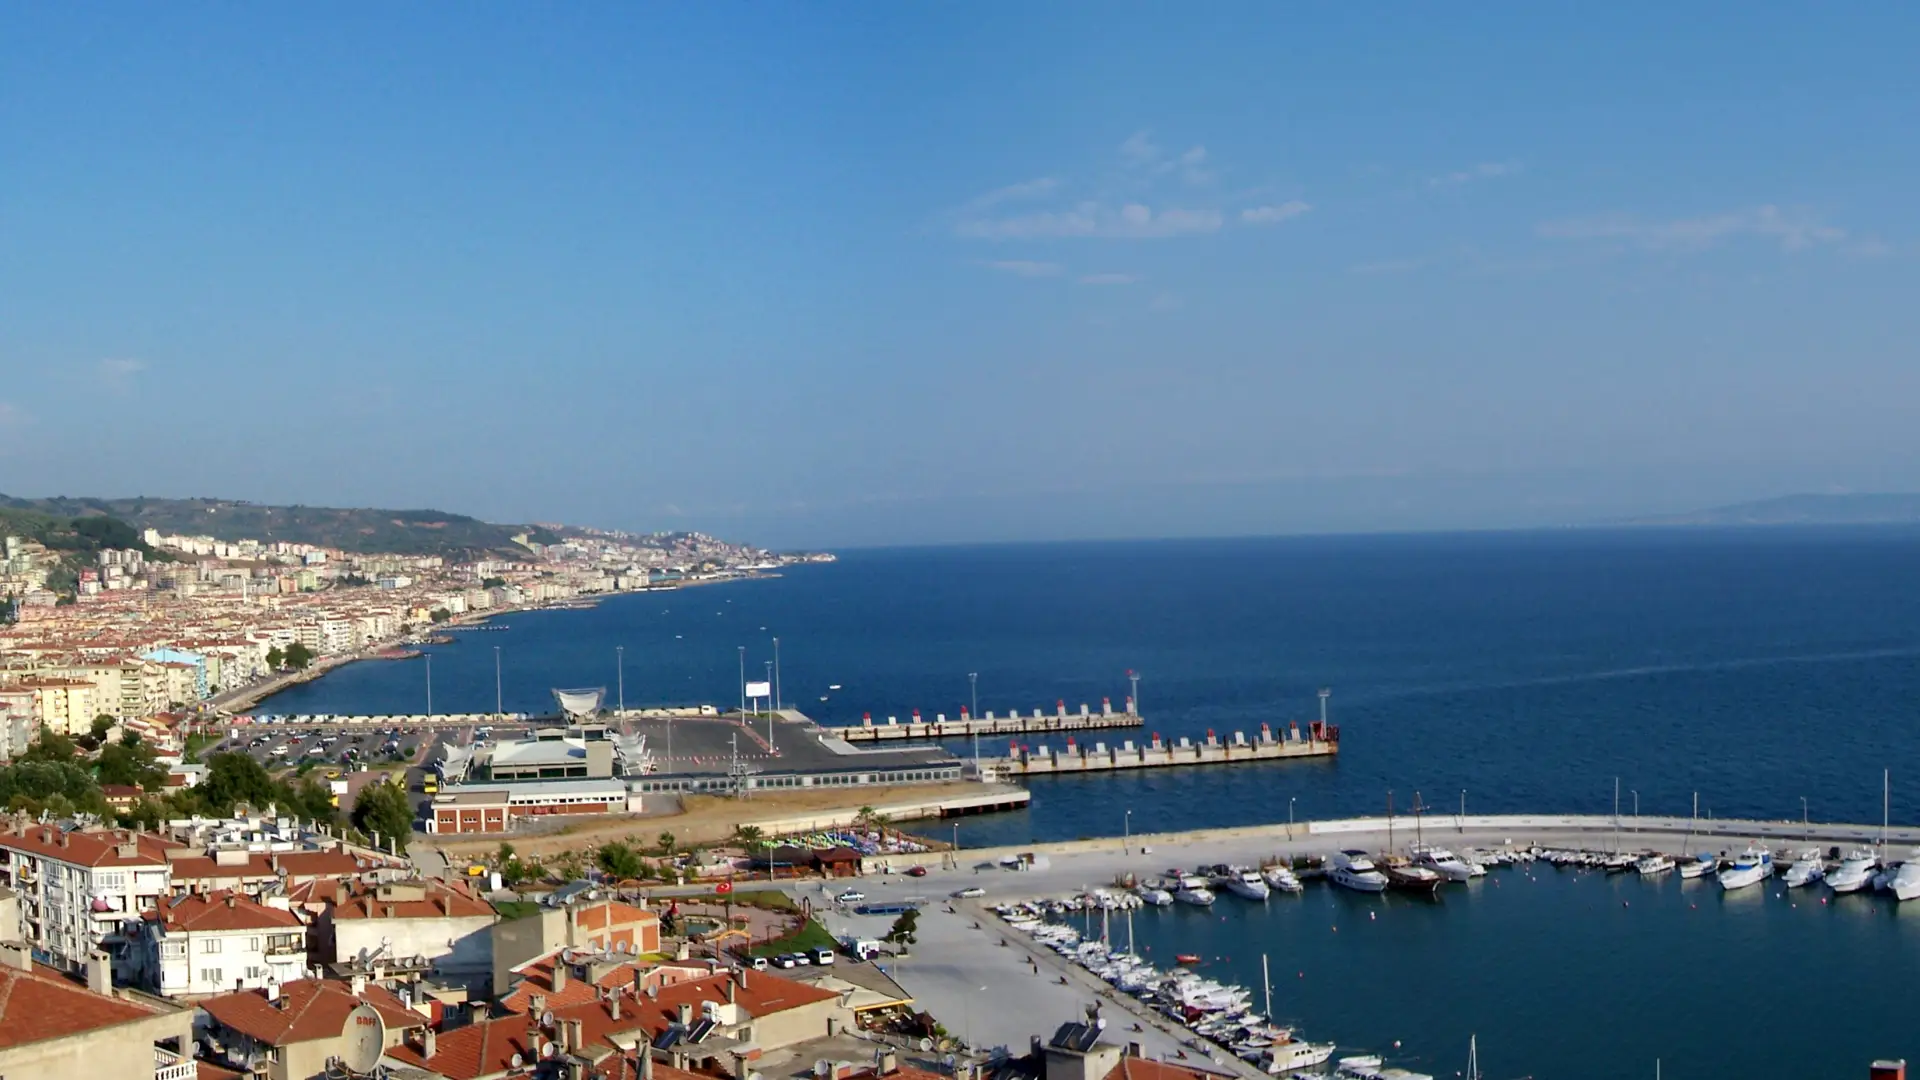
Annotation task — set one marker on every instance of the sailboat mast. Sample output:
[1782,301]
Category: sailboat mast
[1267,981]
[1389,820]
[1886,808]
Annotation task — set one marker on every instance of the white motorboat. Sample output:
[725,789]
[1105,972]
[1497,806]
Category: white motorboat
[1354,870]
[1699,867]
[1289,1056]
[1156,897]
[1854,873]
[1905,882]
[1193,891]
[1649,865]
[1806,868]
[1372,1067]
[1247,885]
[1443,862]
[1281,878]
[1750,867]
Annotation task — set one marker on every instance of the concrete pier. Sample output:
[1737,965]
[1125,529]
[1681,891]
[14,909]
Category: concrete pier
[917,727]
[1076,757]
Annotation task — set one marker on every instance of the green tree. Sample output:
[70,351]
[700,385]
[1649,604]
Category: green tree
[129,765]
[101,725]
[51,746]
[494,583]
[439,614]
[904,927]
[275,658]
[748,836]
[298,656]
[235,778]
[382,808]
[569,865]
[667,841]
[619,860]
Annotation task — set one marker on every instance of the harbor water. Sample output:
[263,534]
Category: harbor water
[1521,672]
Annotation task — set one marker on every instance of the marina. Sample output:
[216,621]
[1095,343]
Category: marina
[990,725]
[1319,740]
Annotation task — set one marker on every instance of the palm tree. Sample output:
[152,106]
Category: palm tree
[748,836]
[667,841]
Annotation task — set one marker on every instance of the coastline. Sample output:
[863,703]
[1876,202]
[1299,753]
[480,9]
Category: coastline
[249,698]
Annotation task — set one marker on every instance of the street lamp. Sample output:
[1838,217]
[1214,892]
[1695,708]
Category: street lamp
[620,674]
[429,684]
[1636,811]
[776,673]
[743,682]
[1806,823]
[1463,809]
[499,709]
[973,693]
[1290,799]
[769,665]
[1126,833]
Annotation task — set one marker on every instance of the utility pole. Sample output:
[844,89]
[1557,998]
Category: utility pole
[499,708]
[429,684]
[776,674]
[1126,834]
[743,682]
[973,693]
[620,664]
[769,664]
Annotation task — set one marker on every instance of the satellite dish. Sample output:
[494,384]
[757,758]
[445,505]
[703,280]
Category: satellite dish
[546,1049]
[620,947]
[517,1062]
[546,1018]
[926,1045]
[366,1038]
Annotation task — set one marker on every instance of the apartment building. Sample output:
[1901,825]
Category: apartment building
[297,1031]
[65,706]
[441,924]
[215,943]
[54,1027]
[77,888]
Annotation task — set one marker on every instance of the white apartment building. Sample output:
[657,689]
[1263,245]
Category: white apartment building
[77,888]
[213,943]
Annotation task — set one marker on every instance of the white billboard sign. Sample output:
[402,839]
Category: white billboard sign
[759,689]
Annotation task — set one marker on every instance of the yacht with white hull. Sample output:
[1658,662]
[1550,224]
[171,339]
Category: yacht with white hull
[1699,867]
[1443,862]
[1247,885]
[1288,1056]
[1854,873]
[1354,870]
[1649,865]
[1806,868]
[1193,891]
[1282,879]
[1750,867]
[1905,883]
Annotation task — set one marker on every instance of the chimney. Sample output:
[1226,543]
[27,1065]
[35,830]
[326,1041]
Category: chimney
[359,986]
[428,1045]
[232,902]
[686,1015]
[559,975]
[100,973]
[743,978]
[539,1005]
[646,1063]
[888,1064]
[613,1005]
[574,1035]
[730,986]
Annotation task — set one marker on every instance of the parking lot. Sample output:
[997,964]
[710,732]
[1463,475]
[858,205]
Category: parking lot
[335,748]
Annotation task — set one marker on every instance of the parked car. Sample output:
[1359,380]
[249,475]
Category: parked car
[759,963]
[969,892]
[851,896]
[916,871]
[785,960]
[823,957]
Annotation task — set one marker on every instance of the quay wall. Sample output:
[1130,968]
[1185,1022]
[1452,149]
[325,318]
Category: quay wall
[1593,830]
[1012,724]
[991,797]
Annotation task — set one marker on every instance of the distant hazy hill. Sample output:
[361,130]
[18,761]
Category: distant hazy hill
[406,532]
[1889,509]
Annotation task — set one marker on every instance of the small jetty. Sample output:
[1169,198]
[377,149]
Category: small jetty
[916,727]
[1319,739]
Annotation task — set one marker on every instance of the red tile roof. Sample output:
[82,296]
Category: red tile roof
[359,900]
[86,848]
[223,911]
[598,916]
[1136,1068]
[308,1009]
[42,1004]
[537,978]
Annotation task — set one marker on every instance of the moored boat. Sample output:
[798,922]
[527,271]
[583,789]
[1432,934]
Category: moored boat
[1354,870]
[1750,867]
[1854,873]
[1700,866]
[1655,863]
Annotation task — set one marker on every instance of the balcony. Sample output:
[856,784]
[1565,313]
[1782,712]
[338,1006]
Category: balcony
[168,1065]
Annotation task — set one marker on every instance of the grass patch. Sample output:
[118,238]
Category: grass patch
[810,935]
[764,899]
[510,910]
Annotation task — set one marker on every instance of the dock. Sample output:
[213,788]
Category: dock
[915,727]
[1318,740]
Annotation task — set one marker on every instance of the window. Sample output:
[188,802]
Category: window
[211,975]
[173,950]
[211,945]
[253,944]
[109,879]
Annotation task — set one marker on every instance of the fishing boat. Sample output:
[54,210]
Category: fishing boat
[1281,878]
[1290,1056]
[1750,867]
[1403,876]
[1187,958]
[1700,866]
[1655,863]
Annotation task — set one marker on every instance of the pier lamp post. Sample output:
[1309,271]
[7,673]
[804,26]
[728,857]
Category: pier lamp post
[1126,833]
[499,709]
[1290,799]
[776,703]
[776,673]
[769,666]
[743,682]
[973,718]
[429,684]
[1806,823]
[1463,809]
[1636,811]
[620,676]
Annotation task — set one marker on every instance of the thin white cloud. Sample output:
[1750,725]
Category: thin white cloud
[1020,192]
[1486,170]
[118,374]
[1273,215]
[1793,230]
[1139,150]
[1133,221]
[1109,279]
[12,415]
[1026,268]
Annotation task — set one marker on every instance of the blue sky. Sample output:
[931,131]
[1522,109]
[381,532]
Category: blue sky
[854,274]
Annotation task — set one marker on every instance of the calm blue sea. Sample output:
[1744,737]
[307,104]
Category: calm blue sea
[1525,670]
